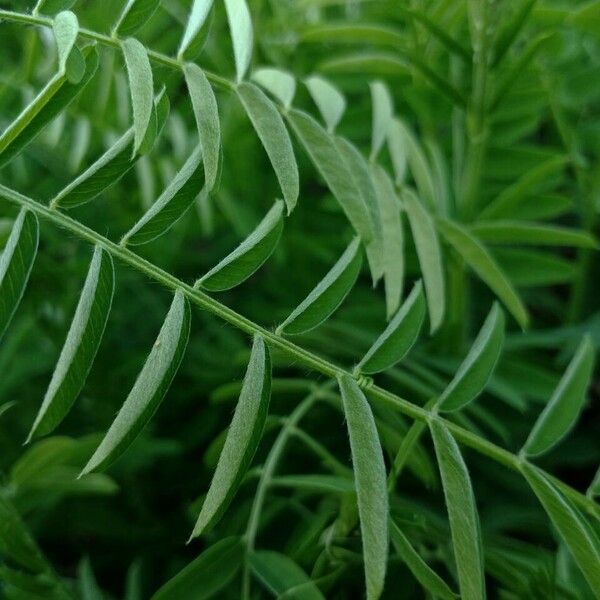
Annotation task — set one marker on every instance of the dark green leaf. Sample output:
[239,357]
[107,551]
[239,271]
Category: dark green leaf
[134,15]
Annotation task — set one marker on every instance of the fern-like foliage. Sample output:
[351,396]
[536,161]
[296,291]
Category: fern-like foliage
[397,203]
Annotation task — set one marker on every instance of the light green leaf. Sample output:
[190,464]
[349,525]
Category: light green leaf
[207,574]
[240,26]
[16,261]
[328,294]
[430,257]
[49,103]
[277,82]
[275,138]
[393,239]
[586,16]
[81,344]
[462,514]
[398,337]
[383,112]
[398,150]
[520,232]
[135,14]
[242,439]
[141,87]
[206,113]
[486,268]
[370,483]
[171,205]
[422,572]
[282,576]
[323,152]
[329,100]
[321,484]
[361,176]
[561,413]
[198,14]
[477,368]
[65,27]
[51,7]
[571,525]
[109,168]
[248,256]
[149,388]
[508,33]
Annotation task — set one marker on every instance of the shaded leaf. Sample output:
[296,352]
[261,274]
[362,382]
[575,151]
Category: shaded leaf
[171,205]
[277,82]
[51,7]
[398,337]
[480,260]
[135,14]
[207,574]
[16,261]
[462,513]
[81,344]
[240,26]
[370,483]
[275,138]
[328,294]
[561,412]
[248,256]
[383,111]
[430,257]
[149,388]
[242,438]
[197,17]
[477,368]
[329,100]
[315,483]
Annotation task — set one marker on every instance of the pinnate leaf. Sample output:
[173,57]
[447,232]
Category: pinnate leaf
[242,438]
[149,388]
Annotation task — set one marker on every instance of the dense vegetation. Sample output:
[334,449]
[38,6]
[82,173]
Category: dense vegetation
[367,368]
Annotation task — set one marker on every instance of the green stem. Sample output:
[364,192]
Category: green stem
[298,354]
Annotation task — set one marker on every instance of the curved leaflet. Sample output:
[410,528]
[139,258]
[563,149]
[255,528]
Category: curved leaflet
[383,112]
[81,344]
[478,366]
[327,295]
[370,482]
[277,82]
[242,438]
[275,138]
[561,412]
[240,26]
[149,388]
[399,336]
[171,205]
[135,14]
[329,100]
[248,256]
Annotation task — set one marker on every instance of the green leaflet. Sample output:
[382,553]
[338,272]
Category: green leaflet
[88,585]
[206,113]
[277,82]
[393,238]
[579,536]
[16,541]
[149,388]
[110,167]
[282,576]
[329,100]
[16,261]
[562,411]
[198,15]
[486,268]
[398,150]
[328,294]
[370,482]
[509,32]
[462,513]
[323,152]
[240,26]
[141,88]
[320,484]
[65,27]
[248,256]
[207,574]
[361,176]
[430,257]
[478,366]
[275,138]
[171,205]
[51,7]
[81,344]
[594,489]
[48,104]
[398,337]
[134,15]
[383,112]
[242,439]
[422,572]
[519,232]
